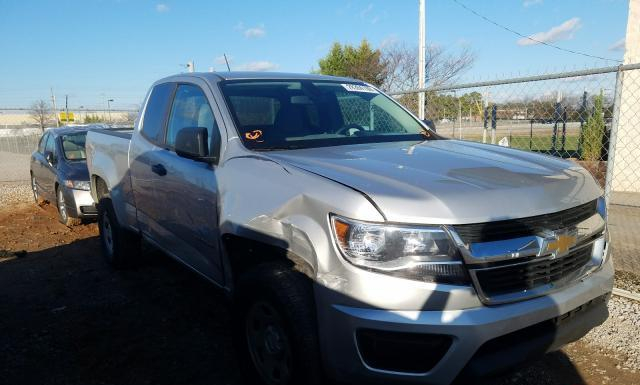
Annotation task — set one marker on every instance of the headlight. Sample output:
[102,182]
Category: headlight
[419,253]
[78,184]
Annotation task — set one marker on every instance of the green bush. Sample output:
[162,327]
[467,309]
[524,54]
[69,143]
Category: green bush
[593,132]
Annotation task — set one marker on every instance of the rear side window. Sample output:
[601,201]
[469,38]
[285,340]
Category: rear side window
[190,109]
[50,146]
[43,140]
[156,111]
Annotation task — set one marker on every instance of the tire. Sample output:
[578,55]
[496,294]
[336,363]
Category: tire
[63,215]
[276,330]
[120,247]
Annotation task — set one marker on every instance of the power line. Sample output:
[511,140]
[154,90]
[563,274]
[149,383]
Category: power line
[532,39]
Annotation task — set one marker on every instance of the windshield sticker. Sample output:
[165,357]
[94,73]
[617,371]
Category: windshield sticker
[359,88]
[253,135]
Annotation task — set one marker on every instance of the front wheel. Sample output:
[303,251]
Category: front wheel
[276,327]
[63,214]
[120,247]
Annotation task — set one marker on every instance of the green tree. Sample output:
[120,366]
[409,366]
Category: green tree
[594,131]
[360,62]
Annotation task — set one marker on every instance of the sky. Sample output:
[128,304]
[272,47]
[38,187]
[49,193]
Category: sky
[94,50]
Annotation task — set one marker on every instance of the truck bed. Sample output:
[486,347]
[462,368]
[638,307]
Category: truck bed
[108,158]
[125,133]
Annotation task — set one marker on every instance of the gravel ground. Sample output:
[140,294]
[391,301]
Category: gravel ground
[12,193]
[627,281]
[619,336]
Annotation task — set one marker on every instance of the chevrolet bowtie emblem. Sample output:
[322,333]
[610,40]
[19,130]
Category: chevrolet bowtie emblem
[561,244]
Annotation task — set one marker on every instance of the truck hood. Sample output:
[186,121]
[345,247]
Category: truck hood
[449,181]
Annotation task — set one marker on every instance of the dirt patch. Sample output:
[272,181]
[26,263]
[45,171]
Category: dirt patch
[66,318]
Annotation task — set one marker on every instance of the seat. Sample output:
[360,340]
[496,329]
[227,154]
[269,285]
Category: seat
[291,121]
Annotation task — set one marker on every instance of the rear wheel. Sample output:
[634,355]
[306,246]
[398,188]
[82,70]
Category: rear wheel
[276,327]
[63,214]
[120,247]
[36,192]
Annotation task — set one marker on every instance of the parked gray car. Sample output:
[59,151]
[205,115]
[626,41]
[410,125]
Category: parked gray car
[59,174]
[357,244]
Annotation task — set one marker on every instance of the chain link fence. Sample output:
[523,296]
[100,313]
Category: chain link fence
[18,141]
[590,116]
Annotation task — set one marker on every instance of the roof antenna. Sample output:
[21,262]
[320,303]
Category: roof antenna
[226,61]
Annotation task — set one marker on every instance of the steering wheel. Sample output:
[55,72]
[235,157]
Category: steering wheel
[346,128]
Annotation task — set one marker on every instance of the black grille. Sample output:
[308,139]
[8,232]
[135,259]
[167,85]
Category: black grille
[514,228]
[535,273]
[401,351]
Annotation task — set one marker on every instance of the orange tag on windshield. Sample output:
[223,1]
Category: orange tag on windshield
[253,135]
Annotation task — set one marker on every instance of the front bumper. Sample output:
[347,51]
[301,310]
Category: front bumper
[469,329]
[79,203]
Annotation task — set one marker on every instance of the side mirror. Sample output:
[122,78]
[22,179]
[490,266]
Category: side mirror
[192,143]
[49,157]
[430,124]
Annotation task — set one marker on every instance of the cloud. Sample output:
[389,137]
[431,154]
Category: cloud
[255,32]
[162,8]
[529,3]
[258,66]
[564,31]
[366,11]
[618,45]
[389,40]
[367,14]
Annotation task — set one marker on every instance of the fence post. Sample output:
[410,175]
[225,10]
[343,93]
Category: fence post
[485,124]
[611,152]
[494,117]
[564,128]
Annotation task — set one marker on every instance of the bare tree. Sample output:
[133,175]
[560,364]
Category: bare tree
[40,113]
[441,68]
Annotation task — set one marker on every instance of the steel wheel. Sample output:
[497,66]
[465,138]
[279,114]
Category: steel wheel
[62,209]
[268,343]
[107,234]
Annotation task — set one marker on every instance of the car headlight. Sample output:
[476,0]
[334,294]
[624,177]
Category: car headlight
[78,184]
[419,253]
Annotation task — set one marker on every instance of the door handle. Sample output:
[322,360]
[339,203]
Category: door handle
[159,169]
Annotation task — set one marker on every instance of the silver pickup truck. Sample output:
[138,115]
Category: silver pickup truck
[357,243]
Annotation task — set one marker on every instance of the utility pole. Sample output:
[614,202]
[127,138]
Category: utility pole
[459,119]
[421,58]
[55,111]
[109,108]
[66,107]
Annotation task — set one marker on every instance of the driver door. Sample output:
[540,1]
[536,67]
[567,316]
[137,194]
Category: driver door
[186,194]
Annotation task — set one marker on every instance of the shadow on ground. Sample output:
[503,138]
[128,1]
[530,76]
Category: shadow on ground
[67,318]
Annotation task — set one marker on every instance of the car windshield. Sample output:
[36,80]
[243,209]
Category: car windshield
[276,114]
[73,146]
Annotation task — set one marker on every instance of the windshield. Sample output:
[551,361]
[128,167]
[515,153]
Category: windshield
[303,113]
[73,146]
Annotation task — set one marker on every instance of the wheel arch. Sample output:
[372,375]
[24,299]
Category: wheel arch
[242,253]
